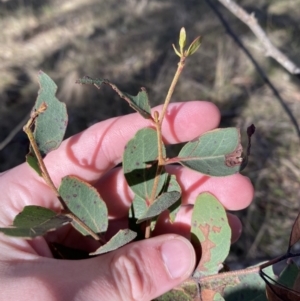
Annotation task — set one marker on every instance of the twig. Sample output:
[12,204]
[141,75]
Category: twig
[256,65]
[251,22]
[66,211]
[158,120]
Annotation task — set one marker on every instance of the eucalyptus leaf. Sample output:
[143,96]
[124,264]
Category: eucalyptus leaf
[194,46]
[86,80]
[186,291]
[277,291]
[289,274]
[138,207]
[85,202]
[246,286]
[139,103]
[210,228]
[172,185]
[140,164]
[215,153]
[122,238]
[32,160]
[176,51]
[50,126]
[163,202]
[182,39]
[35,221]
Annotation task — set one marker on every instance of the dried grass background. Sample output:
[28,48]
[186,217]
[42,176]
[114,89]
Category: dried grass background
[129,42]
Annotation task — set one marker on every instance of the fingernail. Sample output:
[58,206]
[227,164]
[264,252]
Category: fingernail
[178,256]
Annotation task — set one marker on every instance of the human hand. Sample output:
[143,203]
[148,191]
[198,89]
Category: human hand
[139,271]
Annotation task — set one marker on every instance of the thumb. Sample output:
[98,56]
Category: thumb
[139,271]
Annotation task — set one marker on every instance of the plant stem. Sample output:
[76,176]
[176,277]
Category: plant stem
[251,270]
[147,230]
[180,67]
[84,226]
[158,120]
[45,174]
[35,148]
[226,275]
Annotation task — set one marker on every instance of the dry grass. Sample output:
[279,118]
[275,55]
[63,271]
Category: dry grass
[129,43]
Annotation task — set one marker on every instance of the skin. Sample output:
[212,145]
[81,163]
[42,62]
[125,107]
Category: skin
[139,271]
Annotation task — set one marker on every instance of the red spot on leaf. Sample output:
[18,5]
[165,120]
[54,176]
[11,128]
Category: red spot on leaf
[206,246]
[216,229]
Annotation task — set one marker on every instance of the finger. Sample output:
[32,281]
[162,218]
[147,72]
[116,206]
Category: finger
[234,192]
[236,226]
[100,147]
[97,149]
[182,224]
[139,271]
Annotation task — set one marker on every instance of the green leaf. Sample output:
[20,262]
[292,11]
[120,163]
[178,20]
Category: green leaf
[287,287]
[50,126]
[138,207]
[215,153]
[122,238]
[172,185]
[35,221]
[86,80]
[276,292]
[194,46]
[246,286]
[139,103]
[176,51]
[210,228]
[187,291]
[85,202]
[140,163]
[182,39]
[218,297]
[32,160]
[163,202]
[289,275]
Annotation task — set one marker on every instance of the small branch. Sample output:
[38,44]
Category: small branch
[98,82]
[225,275]
[35,148]
[180,67]
[84,226]
[158,120]
[259,70]
[252,23]
[255,269]
[27,129]
[148,229]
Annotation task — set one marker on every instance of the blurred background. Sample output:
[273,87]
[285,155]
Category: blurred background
[129,42]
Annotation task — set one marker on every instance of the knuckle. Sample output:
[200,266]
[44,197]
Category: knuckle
[132,275]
